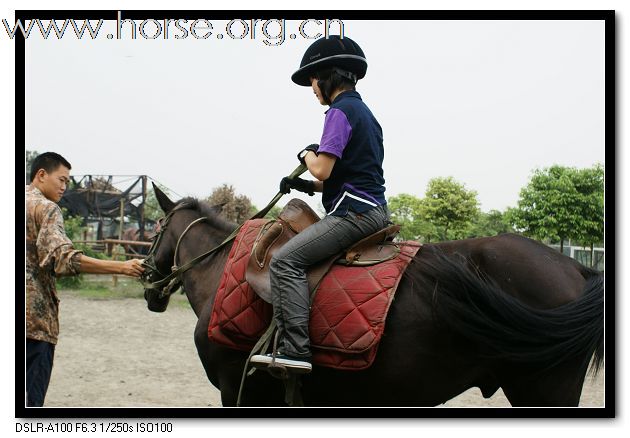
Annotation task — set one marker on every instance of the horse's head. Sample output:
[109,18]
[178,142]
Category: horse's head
[160,257]
[167,241]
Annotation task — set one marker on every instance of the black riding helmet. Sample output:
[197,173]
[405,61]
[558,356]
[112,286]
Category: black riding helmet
[334,51]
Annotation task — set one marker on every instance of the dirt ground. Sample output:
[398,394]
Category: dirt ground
[115,353]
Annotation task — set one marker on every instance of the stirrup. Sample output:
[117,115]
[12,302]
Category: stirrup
[292,382]
[278,364]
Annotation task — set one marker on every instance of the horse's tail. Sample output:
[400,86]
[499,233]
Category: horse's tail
[595,287]
[474,306]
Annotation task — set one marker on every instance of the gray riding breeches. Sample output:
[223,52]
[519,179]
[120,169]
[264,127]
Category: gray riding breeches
[289,288]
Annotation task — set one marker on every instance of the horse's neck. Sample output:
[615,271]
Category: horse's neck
[201,282]
[203,289]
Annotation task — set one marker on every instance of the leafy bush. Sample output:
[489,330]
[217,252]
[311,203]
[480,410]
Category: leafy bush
[74,230]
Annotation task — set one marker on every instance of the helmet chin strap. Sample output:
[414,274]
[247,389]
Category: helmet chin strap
[346,74]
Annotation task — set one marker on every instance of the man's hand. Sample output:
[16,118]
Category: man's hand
[299,184]
[132,267]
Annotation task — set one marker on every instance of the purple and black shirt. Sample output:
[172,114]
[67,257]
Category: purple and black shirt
[353,135]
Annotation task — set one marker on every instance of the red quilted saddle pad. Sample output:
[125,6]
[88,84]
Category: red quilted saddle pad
[347,316]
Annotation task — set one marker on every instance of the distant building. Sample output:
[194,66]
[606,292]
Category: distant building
[583,254]
[101,204]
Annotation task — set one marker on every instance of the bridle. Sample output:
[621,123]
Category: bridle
[174,280]
[167,284]
[151,271]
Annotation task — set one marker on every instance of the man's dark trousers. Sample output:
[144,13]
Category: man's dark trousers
[39,362]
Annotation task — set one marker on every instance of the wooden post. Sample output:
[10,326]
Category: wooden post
[114,277]
[122,217]
[120,232]
[144,199]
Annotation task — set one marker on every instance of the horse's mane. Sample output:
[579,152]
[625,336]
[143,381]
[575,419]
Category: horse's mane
[209,211]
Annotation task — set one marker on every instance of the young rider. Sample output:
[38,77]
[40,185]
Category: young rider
[348,170]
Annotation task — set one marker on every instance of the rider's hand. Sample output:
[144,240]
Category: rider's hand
[311,147]
[132,267]
[299,184]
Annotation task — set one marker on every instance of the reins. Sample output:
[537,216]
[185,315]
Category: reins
[174,280]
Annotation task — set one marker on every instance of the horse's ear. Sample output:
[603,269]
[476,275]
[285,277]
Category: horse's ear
[165,204]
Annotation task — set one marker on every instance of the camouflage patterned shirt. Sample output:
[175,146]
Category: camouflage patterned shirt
[49,253]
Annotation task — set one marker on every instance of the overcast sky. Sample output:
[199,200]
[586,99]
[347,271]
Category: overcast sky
[485,102]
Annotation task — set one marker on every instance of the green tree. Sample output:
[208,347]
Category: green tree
[589,183]
[236,208]
[491,223]
[272,214]
[562,203]
[73,226]
[28,161]
[450,207]
[407,210]
[152,209]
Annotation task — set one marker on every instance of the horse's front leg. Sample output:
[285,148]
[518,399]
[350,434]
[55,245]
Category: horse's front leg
[224,368]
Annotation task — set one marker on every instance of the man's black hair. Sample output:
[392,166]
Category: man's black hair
[49,161]
[329,80]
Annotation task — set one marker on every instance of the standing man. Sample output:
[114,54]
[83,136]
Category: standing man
[49,254]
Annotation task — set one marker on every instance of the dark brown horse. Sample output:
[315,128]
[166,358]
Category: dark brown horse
[500,312]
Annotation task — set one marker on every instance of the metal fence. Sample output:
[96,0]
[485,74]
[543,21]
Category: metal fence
[582,254]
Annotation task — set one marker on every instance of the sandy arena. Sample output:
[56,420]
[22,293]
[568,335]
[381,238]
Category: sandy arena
[115,353]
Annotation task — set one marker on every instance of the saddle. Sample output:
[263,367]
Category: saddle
[293,219]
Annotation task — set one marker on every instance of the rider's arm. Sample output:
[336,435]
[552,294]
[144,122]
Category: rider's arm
[337,133]
[320,166]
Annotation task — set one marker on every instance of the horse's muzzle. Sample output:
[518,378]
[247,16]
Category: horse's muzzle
[154,303]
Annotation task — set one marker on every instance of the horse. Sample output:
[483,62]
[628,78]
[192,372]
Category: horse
[498,312]
[132,234]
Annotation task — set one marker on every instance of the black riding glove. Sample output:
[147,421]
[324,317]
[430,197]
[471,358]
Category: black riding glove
[299,184]
[311,147]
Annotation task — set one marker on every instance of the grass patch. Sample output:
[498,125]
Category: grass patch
[100,287]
